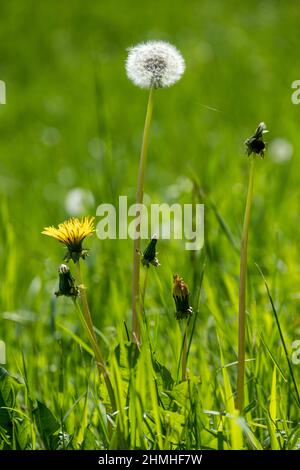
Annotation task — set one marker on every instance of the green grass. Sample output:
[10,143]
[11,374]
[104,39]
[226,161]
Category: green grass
[72,119]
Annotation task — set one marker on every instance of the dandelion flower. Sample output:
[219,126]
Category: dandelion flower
[154,64]
[71,233]
[181,297]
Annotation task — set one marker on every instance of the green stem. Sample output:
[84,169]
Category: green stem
[87,323]
[184,351]
[242,292]
[136,331]
[144,290]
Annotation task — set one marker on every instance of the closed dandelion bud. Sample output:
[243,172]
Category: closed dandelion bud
[256,144]
[71,233]
[181,296]
[67,285]
[149,255]
[154,64]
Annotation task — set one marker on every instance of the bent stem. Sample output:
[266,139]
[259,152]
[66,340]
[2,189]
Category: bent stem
[242,292]
[136,330]
[87,323]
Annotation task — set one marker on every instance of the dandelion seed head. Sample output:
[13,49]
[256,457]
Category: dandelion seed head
[155,64]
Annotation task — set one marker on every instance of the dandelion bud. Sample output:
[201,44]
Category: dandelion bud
[155,64]
[256,144]
[181,297]
[149,255]
[67,285]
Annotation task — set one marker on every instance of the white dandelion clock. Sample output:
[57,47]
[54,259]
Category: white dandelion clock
[154,64]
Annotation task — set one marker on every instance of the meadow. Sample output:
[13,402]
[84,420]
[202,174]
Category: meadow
[70,138]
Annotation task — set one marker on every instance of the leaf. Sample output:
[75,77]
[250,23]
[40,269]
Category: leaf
[236,433]
[172,424]
[253,441]
[181,393]
[23,433]
[164,377]
[46,423]
[9,387]
[89,441]
[127,355]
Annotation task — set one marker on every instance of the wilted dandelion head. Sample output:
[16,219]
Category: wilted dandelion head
[181,297]
[155,64]
[67,285]
[256,144]
[149,255]
[71,233]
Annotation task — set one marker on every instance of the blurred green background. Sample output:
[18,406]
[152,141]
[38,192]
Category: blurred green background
[70,138]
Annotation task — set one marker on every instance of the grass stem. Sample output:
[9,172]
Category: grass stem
[281,335]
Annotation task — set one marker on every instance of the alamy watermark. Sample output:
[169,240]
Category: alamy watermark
[295,98]
[176,221]
[2,92]
[2,352]
[296,352]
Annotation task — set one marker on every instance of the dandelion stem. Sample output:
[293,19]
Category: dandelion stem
[184,351]
[144,290]
[242,292]
[87,323]
[137,242]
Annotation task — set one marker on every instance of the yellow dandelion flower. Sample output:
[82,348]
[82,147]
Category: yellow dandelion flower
[71,233]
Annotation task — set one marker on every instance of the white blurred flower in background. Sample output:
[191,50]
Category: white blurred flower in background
[79,201]
[280,150]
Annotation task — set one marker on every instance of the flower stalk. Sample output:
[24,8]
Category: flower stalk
[150,65]
[184,352]
[72,233]
[255,145]
[242,292]
[136,310]
[184,311]
[87,323]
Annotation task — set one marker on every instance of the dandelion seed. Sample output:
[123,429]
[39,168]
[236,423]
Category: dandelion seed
[67,285]
[181,297]
[71,233]
[256,144]
[154,64]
